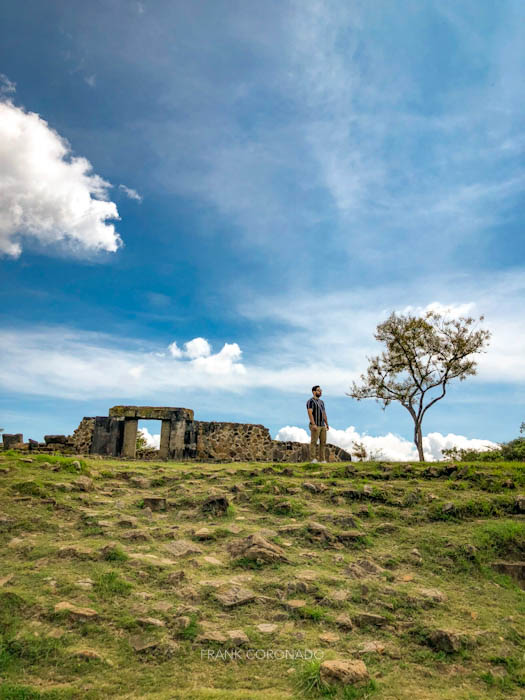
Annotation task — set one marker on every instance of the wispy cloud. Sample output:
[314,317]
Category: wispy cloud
[307,338]
[131,193]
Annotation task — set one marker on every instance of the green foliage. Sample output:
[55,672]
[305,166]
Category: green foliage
[110,584]
[309,682]
[501,538]
[514,451]
[422,355]
[192,630]
[30,488]
[471,455]
[13,691]
[115,554]
[142,443]
[11,607]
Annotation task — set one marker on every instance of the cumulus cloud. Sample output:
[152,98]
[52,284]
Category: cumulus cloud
[152,440]
[46,193]
[225,362]
[174,350]
[390,447]
[197,348]
[131,193]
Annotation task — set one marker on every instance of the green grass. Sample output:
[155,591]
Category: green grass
[110,584]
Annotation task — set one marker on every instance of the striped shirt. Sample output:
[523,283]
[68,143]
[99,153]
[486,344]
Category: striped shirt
[317,406]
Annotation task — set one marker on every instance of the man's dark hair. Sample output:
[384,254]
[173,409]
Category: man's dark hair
[315,387]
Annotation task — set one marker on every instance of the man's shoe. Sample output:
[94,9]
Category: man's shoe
[314,461]
[324,461]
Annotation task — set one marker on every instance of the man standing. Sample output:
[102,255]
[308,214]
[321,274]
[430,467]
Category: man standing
[318,424]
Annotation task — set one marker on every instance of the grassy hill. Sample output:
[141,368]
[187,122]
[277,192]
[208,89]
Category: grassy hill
[178,580]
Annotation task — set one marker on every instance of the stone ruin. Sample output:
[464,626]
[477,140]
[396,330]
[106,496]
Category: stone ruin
[181,438]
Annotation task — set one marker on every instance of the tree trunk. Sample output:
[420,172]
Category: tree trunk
[418,439]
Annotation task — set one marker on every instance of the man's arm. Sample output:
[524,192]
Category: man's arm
[326,419]
[310,413]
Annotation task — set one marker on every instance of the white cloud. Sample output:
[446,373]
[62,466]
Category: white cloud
[174,349]
[91,80]
[131,193]
[225,362]
[196,348]
[6,86]
[389,447]
[46,193]
[152,440]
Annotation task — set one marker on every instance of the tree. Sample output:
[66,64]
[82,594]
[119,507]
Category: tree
[423,353]
[142,443]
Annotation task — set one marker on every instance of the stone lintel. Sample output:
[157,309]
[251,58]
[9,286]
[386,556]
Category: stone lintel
[151,412]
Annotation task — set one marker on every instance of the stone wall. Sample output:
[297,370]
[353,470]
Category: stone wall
[236,442]
[300,452]
[182,437]
[83,436]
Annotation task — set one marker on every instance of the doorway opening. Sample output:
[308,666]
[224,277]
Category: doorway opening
[148,438]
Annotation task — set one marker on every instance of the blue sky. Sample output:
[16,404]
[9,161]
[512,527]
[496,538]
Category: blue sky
[285,174]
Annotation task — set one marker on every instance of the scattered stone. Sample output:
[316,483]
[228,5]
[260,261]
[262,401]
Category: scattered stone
[75,611]
[150,622]
[310,487]
[238,637]
[162,606]
[217,504]
[146,645]
[56,633]
[176,577]
[235,595]
[83,483]
[335,598]
[140,482]
[88,655]
[446,640]
[345,672]
[329,638]
[189,593]
[519,504]
[151,559]
[295,604]
[344,622]
[350,536]
[363,568]
[258,549]
[433,595]
[86,584]
[75,552]
[181,623]
[182,548]
[514,569]
[154,503]
[6,579]
[213,561]
[127,521]
[267,628]
[369,619]
[372,647]
[203,533]
[209,635]
[136,536]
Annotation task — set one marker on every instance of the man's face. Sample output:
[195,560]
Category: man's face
[318,392]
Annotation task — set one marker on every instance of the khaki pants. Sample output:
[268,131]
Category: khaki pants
[317,432]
